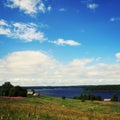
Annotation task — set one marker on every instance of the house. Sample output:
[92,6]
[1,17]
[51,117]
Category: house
[35,94]
[107,100]
[29,92]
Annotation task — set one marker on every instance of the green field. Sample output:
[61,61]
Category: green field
[51,108]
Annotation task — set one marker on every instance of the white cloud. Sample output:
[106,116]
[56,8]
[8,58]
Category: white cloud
[118,56]
[27,32]
[49,8]
[28,6]
[61,41]
[25,66]
[4,30]
[92,6]
[113,19]
[23,31]
[42,7]
[62,9]
[78,62]
[39,68]
[3,23]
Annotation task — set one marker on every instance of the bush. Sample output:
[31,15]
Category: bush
[98,98]
[92,97]
[114,97]
[63,97]
[83,100]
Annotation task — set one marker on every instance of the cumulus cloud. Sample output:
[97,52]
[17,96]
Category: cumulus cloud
[26,65]
[61,41]
[23,31]
[28,6]
[118,56]
[39,68]
[92,6]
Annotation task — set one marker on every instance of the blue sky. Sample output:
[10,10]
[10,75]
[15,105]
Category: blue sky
[60,42]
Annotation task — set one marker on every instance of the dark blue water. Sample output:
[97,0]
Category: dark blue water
[71,92]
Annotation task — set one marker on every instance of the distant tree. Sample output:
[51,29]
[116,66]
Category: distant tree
[0,91]
[83,99]
[63,97]
[18,91]
[92,97]
[114,97]
[12,91]
[76,97]
[98,98]
[5,88]
[87,97]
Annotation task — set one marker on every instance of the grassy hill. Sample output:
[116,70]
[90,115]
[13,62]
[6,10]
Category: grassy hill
[51,108]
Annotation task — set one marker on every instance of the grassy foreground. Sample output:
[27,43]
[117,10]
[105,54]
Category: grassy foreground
[50,108]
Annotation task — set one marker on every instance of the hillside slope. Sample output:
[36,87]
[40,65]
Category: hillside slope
[50,108]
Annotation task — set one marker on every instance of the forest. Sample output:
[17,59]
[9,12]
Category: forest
[104,88]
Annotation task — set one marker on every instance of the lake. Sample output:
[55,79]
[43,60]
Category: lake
[70,92]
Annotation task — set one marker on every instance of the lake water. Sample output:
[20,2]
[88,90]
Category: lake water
[71,92]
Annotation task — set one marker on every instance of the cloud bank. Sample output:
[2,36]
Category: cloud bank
[39,68]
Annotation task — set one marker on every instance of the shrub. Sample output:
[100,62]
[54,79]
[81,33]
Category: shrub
[63,97]
[83,100]
[92,97]
[114,97]
[98,98]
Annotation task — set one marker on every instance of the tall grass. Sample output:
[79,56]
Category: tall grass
[48,108]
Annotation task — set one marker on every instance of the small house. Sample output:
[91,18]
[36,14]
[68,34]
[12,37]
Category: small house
[107,100]
[29,92]
[35,94]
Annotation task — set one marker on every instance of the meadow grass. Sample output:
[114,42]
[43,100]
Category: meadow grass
[51,108]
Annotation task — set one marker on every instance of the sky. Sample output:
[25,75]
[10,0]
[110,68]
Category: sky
[60,42]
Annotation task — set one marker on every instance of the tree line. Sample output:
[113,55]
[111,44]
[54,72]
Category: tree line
[7,89]
[103,88]
[84,97]
[92,97]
